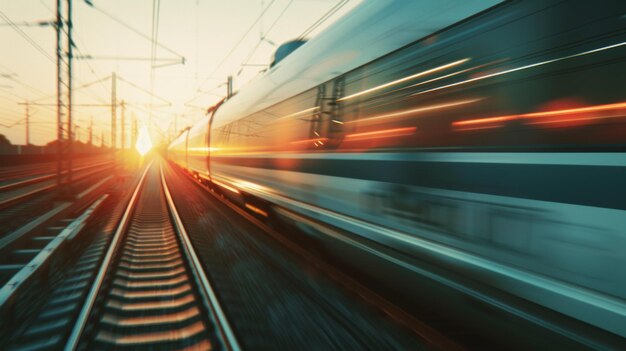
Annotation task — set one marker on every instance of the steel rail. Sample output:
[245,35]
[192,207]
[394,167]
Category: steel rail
[43,178]
[431,336]
[27,195]
[79,326]
[229,340]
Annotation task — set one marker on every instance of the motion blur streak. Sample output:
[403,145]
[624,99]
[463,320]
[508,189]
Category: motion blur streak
[489,126]
[198,149]
[534,115]
[387,133]
[315,140]
[249,185]
[524,67]
[256,210]
[303,112]
[417,75]
[535,193]
[455,73]
[227,187]
[418,110]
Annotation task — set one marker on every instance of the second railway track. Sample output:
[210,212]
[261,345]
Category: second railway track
[151,292]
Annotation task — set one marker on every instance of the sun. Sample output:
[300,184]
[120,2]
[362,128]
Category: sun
[143,144]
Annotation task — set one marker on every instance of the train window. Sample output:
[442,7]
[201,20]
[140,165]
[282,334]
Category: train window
[494,87]
[281,127]
[495,81]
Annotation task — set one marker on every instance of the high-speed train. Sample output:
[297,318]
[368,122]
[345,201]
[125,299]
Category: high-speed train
[484,138]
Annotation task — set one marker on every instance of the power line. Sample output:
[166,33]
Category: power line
[245,61]
[323,19]
[82,44]
[9,114]
[29,24]
[15,123]
[156,10]
[143,90]
[237,44]
[26,37]
[17,96]
[82,86]
[91,68]
[136,31]
[34,44]
[11,77]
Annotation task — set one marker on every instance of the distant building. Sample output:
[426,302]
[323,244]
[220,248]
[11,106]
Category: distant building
[6,148]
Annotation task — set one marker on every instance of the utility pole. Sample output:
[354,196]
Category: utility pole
[133,137]
[123,126]
[229,87]
[59,28]
[27,125]
[70,53]
[91,131]
[113,114]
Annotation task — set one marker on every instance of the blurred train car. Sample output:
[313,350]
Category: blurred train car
[177,150]
[485,138]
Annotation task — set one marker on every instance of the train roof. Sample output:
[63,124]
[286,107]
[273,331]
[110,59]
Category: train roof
[373,29]
[179,139]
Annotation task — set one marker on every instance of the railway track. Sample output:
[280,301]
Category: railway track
[265,275]
[151,292]
[46,296]
[11,174]
[21,191]
[141,285]
[28,211]
[38,178]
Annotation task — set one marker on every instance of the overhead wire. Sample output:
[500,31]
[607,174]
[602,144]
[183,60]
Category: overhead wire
[310,29]
[136,31]
[245,61]
[91,68]
[40,49]
[230,52]
[142,89]
[78,88]
[156,9]
[323,19]
[30,40]
[79,51]
[10,113]
[11,77]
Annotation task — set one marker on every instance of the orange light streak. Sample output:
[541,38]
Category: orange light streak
[418,110]
[308,141]
[577,110]
[387,133]
[491,126]
[536,115]
[256,210]
[485,120]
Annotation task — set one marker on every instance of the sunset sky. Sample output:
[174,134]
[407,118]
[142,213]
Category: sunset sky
[203,31]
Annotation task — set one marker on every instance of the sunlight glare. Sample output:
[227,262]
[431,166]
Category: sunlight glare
[143,144]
